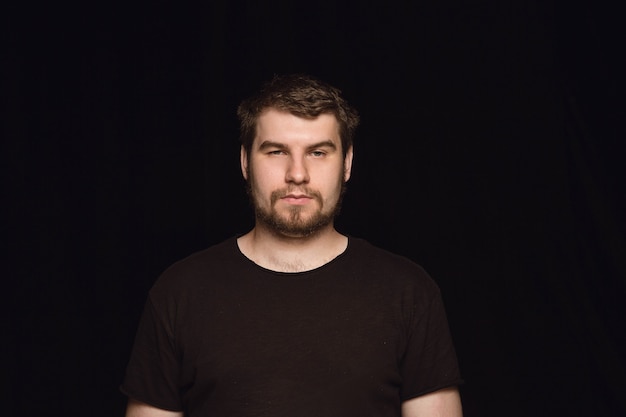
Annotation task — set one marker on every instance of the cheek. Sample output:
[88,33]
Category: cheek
[333,185]
[264,180]
[264,171]
[265,175]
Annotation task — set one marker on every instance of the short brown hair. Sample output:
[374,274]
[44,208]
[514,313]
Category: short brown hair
[301,95]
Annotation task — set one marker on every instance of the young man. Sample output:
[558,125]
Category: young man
[294,319]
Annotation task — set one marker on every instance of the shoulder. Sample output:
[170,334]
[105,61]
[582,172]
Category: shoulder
[371,256]
[193,270]
[397,280]
[384,264]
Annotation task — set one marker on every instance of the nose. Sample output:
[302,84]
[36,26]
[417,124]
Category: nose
[297,171]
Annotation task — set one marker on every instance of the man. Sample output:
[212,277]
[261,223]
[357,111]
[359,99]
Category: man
[293,318]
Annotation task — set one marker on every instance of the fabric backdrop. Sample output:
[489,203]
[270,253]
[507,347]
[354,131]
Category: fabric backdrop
[491,152]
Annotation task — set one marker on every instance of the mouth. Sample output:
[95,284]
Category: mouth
[296,199]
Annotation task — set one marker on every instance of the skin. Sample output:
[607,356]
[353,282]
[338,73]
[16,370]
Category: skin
[296,171]
[442,403]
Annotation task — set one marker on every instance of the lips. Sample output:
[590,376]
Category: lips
[296,199]
[296,196]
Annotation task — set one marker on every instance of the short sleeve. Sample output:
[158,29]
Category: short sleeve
[430,361]
[153,370]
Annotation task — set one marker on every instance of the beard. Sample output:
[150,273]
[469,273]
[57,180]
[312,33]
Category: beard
[295,222]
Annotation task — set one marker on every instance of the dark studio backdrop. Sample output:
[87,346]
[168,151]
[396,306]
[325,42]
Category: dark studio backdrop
[490,152]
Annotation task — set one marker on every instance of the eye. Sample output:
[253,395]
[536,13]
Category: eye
[318,153]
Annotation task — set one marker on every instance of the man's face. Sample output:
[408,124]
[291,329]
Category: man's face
[296,172]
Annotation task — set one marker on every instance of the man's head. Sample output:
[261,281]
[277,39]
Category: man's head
[296,153]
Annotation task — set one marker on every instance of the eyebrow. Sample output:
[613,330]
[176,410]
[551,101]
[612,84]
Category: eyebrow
[271,144]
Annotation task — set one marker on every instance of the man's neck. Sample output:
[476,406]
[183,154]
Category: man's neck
[292,254]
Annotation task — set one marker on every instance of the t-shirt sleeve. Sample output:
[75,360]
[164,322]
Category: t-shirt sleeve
[430,362]
[153,370]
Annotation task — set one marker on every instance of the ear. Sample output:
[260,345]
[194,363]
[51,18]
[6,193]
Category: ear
[243,159]
[347,164]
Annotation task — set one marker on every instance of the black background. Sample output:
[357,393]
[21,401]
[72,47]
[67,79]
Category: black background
[490,152]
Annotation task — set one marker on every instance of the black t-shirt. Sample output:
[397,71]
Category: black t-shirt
[221,336]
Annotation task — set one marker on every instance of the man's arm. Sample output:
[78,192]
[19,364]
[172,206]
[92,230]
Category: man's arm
[138,409]
[443,403]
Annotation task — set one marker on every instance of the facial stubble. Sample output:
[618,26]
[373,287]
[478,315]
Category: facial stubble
[294,225]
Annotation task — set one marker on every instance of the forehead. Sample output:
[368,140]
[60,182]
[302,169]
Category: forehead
[284,127]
